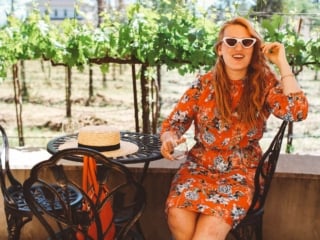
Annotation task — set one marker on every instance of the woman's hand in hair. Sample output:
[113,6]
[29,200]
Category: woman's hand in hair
[275,53]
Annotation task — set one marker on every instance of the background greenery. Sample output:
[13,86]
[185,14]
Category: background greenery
[149,34]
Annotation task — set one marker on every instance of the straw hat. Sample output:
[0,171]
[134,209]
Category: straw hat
[102,138]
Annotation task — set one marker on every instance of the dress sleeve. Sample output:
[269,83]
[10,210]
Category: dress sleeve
[182,115]
[292,107]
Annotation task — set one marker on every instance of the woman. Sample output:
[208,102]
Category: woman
[228,106]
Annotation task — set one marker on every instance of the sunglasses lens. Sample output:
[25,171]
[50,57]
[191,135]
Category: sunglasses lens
[247,42]
[231,41]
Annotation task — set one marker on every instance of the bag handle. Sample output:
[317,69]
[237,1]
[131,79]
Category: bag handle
[89,174]
[85,174]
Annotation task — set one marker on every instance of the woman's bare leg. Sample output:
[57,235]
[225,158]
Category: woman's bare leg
[210,227]
[182,223]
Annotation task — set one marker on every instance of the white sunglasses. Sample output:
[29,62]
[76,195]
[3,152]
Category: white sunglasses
[245,42]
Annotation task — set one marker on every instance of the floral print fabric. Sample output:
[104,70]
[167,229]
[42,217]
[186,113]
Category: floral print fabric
[217,177]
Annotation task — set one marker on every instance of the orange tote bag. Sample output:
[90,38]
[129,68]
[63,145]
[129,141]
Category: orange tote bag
[91,187]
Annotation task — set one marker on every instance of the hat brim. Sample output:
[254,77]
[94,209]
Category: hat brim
[126,148]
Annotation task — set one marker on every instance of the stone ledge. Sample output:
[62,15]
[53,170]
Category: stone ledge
[26,158]
[298,166]
[288,165]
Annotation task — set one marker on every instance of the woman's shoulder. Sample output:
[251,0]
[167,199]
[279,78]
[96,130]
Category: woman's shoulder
[205,79]
[208,76]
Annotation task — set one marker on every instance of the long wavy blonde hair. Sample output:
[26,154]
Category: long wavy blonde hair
[252,99]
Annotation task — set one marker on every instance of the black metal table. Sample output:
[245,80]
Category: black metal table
[149,148]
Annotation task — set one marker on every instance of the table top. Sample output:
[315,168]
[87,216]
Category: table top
[149,147]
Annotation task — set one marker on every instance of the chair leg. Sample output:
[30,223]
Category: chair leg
[245,232]
[139,229]
[259,230]
[15,224]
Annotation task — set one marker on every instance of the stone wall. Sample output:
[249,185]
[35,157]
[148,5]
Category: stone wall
[291,213]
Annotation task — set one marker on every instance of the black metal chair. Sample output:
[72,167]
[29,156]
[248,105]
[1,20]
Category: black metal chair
[61,221]
[16,208]
[251,226]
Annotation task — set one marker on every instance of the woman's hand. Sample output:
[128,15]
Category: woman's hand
[275,53]
[169,142]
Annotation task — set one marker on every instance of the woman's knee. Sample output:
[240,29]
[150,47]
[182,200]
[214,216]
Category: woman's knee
[181,223]
[210,227]
[181,220]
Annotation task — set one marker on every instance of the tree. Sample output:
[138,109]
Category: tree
[101,8]
[264,9]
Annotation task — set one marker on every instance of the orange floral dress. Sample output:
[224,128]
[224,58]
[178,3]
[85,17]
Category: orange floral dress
[217,177]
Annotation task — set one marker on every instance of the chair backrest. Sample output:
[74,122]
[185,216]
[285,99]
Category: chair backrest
[7,180]
[4,153]
[251,226]
[265,171]
[66,217]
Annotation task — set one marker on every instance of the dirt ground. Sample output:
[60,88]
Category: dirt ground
[44,113]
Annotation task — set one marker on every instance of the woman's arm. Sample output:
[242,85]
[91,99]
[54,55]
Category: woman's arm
[275,52]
